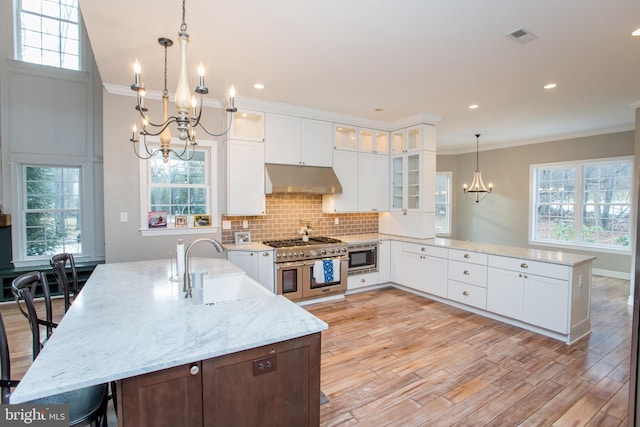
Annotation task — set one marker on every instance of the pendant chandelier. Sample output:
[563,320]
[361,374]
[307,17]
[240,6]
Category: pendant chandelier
[188,106]
[477,190]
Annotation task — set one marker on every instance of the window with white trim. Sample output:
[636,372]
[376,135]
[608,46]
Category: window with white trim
[178,188]
[48,33]
[52,211]
[443,203]
[583,203]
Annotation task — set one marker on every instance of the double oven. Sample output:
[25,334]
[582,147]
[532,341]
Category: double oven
[310,269]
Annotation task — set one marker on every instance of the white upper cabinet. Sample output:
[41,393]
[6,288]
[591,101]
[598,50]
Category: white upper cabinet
[413,181]
[246,126]
[415,138]
[346,137]
[345,165]
[373,141]
[373,182]
[294,140]
[244,178]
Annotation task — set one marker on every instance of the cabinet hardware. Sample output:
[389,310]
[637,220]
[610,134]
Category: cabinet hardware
[520,275]
[194,370]
[264,365]
[265,254]
[465,293]
[523,265]
[423,249]
[526,277]
[362,280]
[466,272]
[251,253]
[467,256]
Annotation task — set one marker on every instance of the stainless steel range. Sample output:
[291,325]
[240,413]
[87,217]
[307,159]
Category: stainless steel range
[310,269]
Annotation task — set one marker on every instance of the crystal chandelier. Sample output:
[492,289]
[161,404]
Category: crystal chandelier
[189,108]
[477,190]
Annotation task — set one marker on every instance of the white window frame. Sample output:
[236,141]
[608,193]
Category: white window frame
[211,149]
[18,8]
[579,195]
[449,176]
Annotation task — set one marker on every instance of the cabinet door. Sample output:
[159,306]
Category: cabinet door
[171,397]
[266,271]
[346,137]
[247,126]
[426,274]
[373,182]
[546,303]
[413,274]
[345,166]
[384,261]
[396,262]
[317,149]
[245,178]
[381,140]
[397,182]
[277,385]
[413,182]
[247,261]
[282,139]
[505,292]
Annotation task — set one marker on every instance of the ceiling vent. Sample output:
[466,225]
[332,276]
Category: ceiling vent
[522,35]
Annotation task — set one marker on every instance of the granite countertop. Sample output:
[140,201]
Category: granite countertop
[130,319]
[554,257]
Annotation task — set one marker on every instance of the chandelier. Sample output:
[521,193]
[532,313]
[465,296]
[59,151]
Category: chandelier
[477,190]
[188,106]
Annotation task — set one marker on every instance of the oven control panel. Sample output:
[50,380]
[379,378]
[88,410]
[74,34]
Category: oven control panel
[292,254]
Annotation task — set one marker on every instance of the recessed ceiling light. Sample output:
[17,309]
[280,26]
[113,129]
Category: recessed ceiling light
[550,85]
[473,106]
[258,86]
[636,32]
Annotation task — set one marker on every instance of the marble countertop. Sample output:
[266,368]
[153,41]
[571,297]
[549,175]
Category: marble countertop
[250,247]
[130,319]
[555,257]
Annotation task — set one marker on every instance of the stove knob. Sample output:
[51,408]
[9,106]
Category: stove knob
[313,253]
[330,251]
[323,252]
[289,254]
[277,255]
[344,249]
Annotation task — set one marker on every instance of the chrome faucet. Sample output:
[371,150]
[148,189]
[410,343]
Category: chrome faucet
[187,256]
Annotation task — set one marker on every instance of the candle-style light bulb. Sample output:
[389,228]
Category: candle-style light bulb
[193,106]
[134,131]
[136,69]
[201,74]
[232,96]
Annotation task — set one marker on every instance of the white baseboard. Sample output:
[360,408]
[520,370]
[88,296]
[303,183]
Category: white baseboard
[611,273]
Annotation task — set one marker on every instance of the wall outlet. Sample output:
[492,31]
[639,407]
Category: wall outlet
[336,221]
[124,217]
[226,225]
[245,224]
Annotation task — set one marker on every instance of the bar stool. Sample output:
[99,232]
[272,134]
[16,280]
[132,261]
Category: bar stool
[59,266]
[24,288]
[87,406]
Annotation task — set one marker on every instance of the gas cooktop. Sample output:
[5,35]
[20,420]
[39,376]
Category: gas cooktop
[285,243]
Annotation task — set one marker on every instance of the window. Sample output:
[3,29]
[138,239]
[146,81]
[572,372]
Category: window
[586,204]
[443,203]
[49,33]
[52,213]
[177,187]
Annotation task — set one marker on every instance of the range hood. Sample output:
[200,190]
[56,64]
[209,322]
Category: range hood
[301,179]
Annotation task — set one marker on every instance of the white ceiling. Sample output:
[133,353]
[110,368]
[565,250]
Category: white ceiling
[408,57]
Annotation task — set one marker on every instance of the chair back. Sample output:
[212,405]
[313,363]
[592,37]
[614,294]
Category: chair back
[5,365]
[59,264]
[24,288]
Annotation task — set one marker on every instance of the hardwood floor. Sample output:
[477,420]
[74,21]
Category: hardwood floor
[393,358]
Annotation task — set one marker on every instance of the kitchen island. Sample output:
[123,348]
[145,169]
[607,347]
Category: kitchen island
[131,321]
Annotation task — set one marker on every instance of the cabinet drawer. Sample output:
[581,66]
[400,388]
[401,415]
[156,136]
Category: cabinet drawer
[466,256]
[362,280]
[538,268]
[467,294]
[435,251]
[473,274]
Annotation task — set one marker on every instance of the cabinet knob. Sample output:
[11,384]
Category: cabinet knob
[523,265]
[467,256]
[466,272]
[362,280]
[465,293]
[251,253]
[520,275]
[423,249]
[194,370]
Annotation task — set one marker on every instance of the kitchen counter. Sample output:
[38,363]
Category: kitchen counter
[130,319]
[554,257]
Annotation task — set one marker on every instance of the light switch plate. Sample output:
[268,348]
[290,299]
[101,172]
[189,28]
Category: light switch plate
[226,225]
[124,217]
[245,224]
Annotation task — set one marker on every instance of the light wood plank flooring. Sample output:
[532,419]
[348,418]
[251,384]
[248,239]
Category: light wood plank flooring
[393,358]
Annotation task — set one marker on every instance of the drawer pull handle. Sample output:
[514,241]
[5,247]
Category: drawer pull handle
[467,256]
[466,272]
[423,249]
[465,293]
[523,265]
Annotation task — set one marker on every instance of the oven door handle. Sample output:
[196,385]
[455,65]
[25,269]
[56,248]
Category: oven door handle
[280,265]
[313,261]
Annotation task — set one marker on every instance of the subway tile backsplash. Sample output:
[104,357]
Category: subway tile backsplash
[288,213]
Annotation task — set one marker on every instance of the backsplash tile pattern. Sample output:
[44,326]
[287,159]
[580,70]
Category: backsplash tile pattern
[287,213]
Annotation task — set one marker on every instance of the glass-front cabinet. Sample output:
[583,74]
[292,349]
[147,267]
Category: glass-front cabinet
[247,126]
[406,182]
[346,138]
[415,138]
[373,141]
